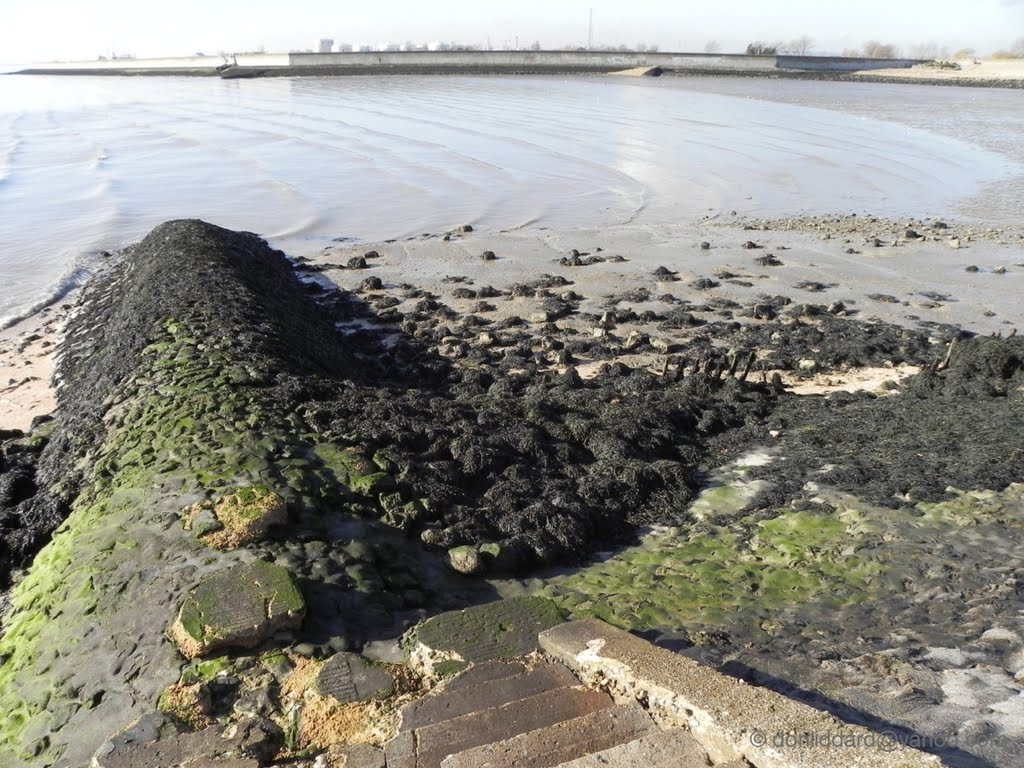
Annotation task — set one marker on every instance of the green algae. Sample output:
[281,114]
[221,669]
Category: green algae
[708,575]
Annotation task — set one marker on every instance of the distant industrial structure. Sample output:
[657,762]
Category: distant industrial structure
[326,45]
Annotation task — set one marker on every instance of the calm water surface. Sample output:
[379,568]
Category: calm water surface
[88,164]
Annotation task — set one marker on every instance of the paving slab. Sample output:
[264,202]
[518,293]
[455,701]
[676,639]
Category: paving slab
[661,749]
[436,742]
[348,677]
[451,703]
[730,718]
[561,742]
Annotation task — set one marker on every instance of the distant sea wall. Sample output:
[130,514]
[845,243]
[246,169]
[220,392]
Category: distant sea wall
[471,62]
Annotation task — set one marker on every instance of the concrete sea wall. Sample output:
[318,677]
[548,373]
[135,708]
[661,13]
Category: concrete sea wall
[482,62]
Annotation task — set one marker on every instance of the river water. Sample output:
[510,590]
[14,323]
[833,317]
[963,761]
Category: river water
[88,164]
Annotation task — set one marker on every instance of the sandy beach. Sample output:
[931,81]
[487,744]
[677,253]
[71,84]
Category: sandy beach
[976,71]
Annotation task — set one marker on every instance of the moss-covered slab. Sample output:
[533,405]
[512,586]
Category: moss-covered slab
[499,630]
[348,677]
[240,606]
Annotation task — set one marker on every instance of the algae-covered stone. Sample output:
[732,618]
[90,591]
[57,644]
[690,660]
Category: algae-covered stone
[239,518]
[499,630]
[466,559]
[348,677]
[240,606]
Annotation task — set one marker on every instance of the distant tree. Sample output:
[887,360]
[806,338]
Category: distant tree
[535,46]
[929,50]
[801,46]
[652,48]
[965,53]
[641,47]
[712,46]
[1018,47]
[851,53]
[876,50]
[758,48]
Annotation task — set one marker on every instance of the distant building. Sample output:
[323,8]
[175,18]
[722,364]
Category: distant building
[439,46]
[344,47]
[391,47]
[326,44]
[365,48]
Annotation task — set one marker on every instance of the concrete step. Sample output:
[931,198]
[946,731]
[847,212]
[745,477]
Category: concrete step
[427,746]
[561,742]
[458,699]
[486,672]
[661,749]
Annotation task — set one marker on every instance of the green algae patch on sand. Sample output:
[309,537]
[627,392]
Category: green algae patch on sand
[969,508]
[707,576]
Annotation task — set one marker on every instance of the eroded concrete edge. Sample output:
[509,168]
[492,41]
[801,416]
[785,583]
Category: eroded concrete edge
[731,719]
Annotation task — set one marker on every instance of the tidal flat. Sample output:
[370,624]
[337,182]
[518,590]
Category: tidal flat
[721,436]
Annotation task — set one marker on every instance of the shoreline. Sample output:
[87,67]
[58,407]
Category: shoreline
[878,282]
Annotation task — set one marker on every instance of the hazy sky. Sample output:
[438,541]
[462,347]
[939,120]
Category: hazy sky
[35,30]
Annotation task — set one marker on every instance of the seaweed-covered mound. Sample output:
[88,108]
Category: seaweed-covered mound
[959,424]
[231,291]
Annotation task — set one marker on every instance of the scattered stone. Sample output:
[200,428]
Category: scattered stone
[768,260]
[883,298]
[371,255]
[705,245]
[703,284]
[371,284]
[750,245]
[348,677]
[954,243]
[999,271]
[356,262]
[466,559]
[466,228]
[971,268]
[240,606]
[488,256]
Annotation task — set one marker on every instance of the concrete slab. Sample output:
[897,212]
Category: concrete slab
[452,703]
[729,718]
[661,749]
[436,742]
[561,742]
[500,630]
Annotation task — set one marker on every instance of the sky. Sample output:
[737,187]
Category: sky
[44,30]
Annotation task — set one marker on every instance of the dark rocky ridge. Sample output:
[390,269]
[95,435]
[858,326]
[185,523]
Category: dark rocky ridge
[202,363]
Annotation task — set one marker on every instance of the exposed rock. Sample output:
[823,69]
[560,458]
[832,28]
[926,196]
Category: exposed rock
[241,606]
